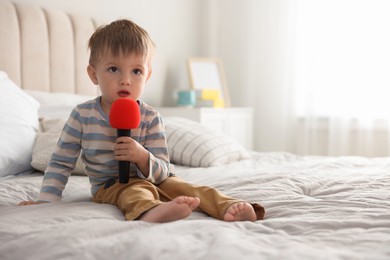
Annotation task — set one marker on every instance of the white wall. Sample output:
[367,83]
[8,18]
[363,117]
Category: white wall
[173,25]
[253,40]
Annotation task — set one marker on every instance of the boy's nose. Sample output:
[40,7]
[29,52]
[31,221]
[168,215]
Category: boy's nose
[125,80]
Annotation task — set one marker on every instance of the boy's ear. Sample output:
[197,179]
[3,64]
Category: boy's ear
[92,74]
[149,73]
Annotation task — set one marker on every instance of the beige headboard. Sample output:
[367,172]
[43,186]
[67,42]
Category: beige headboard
[43,49]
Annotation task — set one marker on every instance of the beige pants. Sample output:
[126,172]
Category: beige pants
[138,196]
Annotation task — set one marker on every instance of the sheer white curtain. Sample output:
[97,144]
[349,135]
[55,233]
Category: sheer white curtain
[342,77]
[316,72]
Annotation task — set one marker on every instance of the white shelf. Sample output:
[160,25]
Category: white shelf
[235,122]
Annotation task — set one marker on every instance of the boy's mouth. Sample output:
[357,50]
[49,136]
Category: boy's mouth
[123,93]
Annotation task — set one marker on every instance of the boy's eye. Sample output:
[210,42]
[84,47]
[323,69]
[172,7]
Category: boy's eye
[112,69]
[137,72]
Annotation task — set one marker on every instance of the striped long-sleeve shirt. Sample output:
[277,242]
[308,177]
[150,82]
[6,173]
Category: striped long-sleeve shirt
[88,131]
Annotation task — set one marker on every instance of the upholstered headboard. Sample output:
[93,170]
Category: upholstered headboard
[43,49]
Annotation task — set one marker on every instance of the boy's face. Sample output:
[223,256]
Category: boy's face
[123,76]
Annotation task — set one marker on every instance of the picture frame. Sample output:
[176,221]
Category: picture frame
[208,73]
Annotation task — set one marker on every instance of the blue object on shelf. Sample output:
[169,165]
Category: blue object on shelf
[186,98]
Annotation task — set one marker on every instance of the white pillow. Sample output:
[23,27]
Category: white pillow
[58,104]
[192,144]
[18,127]
[58,98]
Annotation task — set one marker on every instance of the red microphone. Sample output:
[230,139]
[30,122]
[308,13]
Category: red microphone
[124,116]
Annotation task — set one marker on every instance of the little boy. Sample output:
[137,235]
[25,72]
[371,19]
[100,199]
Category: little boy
[120,64]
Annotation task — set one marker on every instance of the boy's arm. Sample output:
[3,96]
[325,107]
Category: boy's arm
[158,166]
[62,161]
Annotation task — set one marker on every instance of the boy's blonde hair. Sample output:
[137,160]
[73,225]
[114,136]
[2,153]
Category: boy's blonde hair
[121,36]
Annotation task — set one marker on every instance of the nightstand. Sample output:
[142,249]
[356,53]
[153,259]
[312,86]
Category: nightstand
[235,122]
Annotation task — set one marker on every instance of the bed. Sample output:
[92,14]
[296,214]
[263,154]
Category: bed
[316,207]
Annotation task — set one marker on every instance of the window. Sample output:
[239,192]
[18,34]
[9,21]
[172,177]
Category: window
[342,58]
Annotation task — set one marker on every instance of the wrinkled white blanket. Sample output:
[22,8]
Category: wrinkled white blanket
[316,208]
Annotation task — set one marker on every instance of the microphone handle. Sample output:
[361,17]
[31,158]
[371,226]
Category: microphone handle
[124,166]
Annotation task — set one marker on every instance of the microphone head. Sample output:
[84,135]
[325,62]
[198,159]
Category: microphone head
[125,114]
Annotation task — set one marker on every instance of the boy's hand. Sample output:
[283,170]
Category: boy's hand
[25,203]
[127,149]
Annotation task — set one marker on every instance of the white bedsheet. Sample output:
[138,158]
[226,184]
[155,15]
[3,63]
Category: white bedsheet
[316,208]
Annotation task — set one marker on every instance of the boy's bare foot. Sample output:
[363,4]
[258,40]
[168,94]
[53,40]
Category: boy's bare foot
[179,208]
[24,203]
[240,211]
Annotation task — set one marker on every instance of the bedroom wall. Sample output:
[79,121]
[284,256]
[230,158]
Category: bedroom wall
[252,39]
[173,25]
